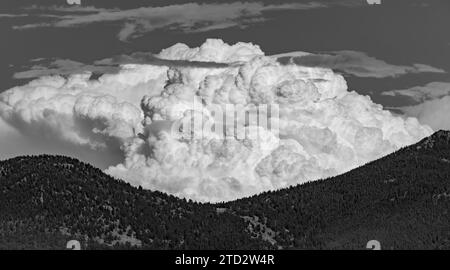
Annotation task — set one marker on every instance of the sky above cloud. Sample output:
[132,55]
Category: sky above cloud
[191,17]
[131,4]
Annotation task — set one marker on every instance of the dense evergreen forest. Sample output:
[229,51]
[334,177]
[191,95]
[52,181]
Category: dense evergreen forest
[402,200]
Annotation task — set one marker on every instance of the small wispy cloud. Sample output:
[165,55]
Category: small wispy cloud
[12,15]
[62,67]
[191,17]
[430,91]
[356,63]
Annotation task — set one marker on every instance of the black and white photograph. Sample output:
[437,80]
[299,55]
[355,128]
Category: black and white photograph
[249,128]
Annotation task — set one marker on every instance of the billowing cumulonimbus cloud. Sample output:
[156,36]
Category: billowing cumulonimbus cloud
[432,104]
[433,113]
[323,129]
[355,63]
[79,110]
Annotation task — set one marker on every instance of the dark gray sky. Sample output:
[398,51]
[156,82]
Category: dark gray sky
[363,41]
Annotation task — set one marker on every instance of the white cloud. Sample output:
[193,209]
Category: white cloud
[324,130]
[74,2]
[433,113]
[433,104]
[355,63]
[374,2]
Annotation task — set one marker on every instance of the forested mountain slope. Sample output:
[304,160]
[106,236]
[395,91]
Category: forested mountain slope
[402,200]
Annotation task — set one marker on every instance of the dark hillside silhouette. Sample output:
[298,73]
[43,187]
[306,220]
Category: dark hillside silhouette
[401,200]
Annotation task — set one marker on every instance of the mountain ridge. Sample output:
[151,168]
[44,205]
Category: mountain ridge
[399,200]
